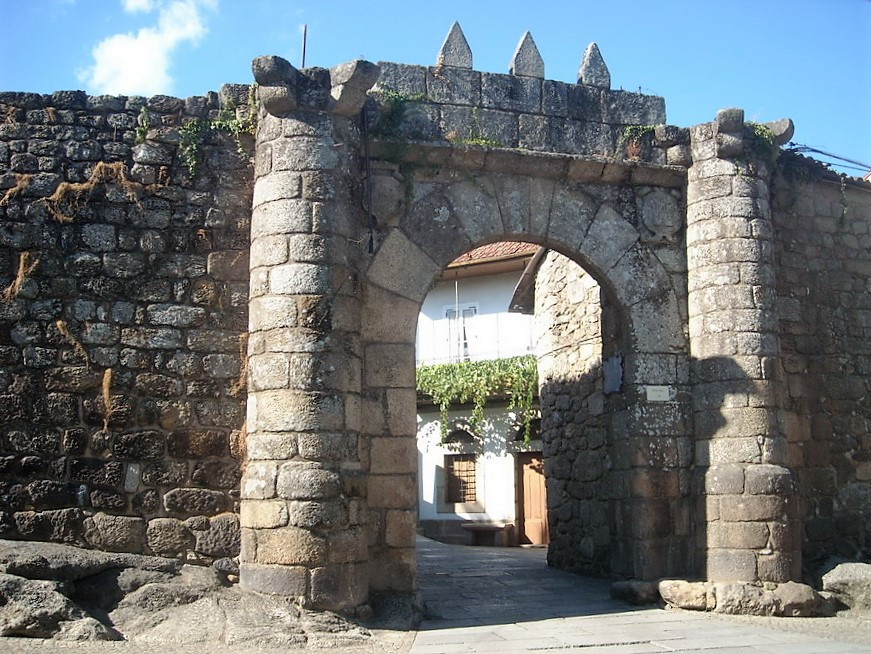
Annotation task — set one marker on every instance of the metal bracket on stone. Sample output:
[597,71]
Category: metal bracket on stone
[593,71]
[527,59]
[277,80]
[350,82]
[455,51]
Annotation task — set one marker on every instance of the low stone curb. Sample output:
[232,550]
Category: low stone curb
[790,599]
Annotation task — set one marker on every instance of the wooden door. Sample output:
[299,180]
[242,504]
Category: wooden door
[532,500]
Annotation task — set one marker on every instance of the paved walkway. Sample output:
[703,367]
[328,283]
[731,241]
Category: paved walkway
[506,600]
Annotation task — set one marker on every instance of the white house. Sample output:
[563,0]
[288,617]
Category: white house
[480,484]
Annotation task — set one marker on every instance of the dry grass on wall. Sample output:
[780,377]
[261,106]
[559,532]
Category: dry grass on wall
[72,340]
[27,263]
[65,199]
[22,181]
[238,387]
[106,395]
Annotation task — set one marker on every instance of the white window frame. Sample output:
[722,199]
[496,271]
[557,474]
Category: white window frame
[455,345]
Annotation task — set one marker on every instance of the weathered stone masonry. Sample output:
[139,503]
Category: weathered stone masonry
[134,293]
[433,203]
[822,246]
[735,442]
[748,509]
[304,515]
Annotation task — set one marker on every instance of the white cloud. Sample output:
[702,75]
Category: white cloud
[140,63]
[132,6]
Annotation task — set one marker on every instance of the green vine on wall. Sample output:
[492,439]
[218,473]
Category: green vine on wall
[194,132]
[631,139]
[393,108]
[634,133]
[474,382]
[763,145]
[143,124]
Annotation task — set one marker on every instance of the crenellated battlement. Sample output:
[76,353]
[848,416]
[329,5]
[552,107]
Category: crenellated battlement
[451,102]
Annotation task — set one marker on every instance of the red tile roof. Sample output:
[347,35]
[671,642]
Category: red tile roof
[495,252]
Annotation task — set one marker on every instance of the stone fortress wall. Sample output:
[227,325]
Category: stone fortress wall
[738,298]
[822,248]
[124,324]
[569,321]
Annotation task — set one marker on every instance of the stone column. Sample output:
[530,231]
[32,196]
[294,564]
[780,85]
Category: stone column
[746,504]
[303,505]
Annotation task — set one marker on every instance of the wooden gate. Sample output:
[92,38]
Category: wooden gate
[532,500]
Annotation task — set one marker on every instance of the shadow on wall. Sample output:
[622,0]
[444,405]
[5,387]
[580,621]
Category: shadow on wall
[577,465]
[727,438]
[596,474]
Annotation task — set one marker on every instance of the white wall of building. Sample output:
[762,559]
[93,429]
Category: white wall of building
[494,447]
[493,333]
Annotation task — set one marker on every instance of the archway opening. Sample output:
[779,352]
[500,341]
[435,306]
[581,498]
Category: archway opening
[618,508]
[512,412]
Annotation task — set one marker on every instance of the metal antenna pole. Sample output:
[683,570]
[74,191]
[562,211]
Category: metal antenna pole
[304,38]
[364,131]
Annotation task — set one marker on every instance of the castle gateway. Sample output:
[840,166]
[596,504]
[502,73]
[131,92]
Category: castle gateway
[207,360]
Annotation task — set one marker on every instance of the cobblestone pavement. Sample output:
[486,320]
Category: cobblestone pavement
[507,600]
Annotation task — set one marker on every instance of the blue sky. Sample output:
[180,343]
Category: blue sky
[809,60]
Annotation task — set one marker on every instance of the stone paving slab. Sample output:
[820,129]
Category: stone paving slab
[506,600]
[383,643]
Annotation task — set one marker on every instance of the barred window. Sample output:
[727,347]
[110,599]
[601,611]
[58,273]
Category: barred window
[460,473]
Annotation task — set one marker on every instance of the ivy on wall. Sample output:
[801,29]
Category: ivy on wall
[194,131]
[474,382]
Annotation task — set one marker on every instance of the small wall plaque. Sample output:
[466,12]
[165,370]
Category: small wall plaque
[658,393]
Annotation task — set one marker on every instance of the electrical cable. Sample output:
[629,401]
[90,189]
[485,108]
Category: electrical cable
[856,165]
